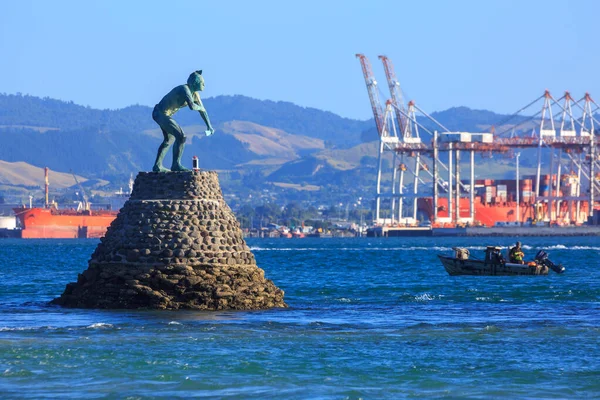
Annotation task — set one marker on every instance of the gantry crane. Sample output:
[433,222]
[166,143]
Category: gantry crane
[572,135]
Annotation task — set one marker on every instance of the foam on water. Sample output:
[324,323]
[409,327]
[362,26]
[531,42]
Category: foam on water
[418,248]
[100,325]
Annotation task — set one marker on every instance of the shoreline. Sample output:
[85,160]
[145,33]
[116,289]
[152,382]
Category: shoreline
[519,231]
[590,230]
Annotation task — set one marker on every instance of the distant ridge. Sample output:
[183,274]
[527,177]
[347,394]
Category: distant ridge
[23,174]
[257,142]
[20,110]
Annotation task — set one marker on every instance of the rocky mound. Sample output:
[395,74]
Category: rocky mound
[174,245]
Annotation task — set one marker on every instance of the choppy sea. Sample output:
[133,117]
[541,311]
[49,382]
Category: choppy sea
[368,318]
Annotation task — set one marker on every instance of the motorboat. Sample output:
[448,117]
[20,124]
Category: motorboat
[495,264]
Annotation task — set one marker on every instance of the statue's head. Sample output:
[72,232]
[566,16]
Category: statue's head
[196,81]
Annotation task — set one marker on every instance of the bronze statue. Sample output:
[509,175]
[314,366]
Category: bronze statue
[173,101]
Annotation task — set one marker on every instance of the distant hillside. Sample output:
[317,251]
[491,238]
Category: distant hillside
[467,120]
[92,152]
[461,119]
[19,110]
[262,149]
[271,142]
[314,171]
[293,119]
[23,174]
[349,158]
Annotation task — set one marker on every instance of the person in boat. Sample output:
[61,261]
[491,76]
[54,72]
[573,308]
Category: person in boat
[516,254]
[173,101]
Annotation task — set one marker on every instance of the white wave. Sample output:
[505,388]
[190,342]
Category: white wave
[424,297]
[27,328]
[344,300]
[557,246]
[563,247]
[418,248]
[174,323]
[15,329]
[411,248]
[492,328]
[365,249]
[585,248]
[254,248]
[100,325]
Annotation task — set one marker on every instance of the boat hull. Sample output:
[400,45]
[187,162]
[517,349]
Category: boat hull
[455,266]
[41,223]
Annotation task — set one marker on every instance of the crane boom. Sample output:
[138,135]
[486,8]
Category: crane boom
[372,90]
[86,204]
[395,92]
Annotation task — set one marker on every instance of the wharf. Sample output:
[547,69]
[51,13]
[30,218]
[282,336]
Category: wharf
[590,230]
[386,231]
[396,231]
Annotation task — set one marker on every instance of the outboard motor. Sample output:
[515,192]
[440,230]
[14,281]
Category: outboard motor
[542,258]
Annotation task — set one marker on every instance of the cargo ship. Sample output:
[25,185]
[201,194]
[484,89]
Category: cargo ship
[497,203]
[51,223]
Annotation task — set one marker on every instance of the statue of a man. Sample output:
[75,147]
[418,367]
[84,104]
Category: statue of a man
[173,101]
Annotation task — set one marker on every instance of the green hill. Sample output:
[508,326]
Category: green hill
[264,150]
[17,111]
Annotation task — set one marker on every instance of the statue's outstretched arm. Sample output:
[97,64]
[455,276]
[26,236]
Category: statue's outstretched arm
[200,108]
[209,127]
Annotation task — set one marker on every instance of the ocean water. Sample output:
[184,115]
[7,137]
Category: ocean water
[367,318]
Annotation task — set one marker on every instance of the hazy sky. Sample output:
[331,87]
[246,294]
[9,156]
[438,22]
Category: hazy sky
[484,54]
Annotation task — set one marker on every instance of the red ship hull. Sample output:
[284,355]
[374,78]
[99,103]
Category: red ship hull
[494,202]
[490,214]
[43,223]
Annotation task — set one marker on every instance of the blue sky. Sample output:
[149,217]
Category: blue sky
[495,55]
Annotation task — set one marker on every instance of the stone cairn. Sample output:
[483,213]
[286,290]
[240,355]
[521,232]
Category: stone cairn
[175,244]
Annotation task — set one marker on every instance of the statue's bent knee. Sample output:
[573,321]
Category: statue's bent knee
[179,137]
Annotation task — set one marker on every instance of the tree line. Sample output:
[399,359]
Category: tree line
[294,215]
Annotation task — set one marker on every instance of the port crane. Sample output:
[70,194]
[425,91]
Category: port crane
[575,136]
[389,139]
[86,203]
[555,128]
[396,93]
[408,142]
[372,90]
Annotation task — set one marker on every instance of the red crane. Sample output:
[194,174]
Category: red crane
[372,89]
[395,92]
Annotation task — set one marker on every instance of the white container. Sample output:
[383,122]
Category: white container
[455,137]
[8,222]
